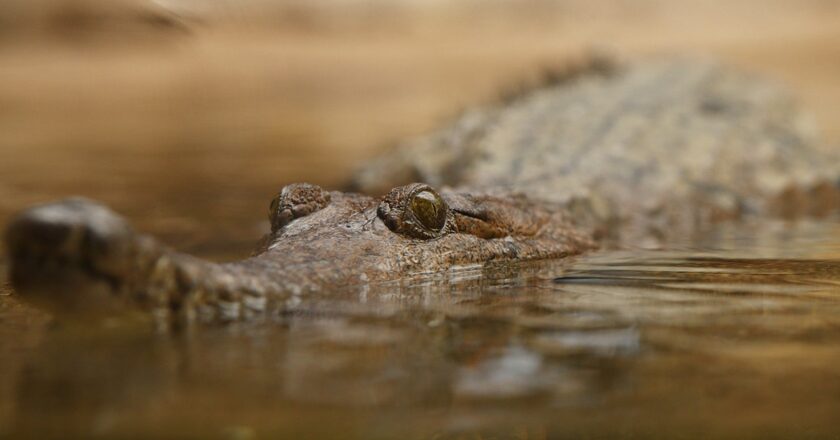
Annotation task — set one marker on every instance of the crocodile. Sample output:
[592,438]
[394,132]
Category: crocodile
[626,153]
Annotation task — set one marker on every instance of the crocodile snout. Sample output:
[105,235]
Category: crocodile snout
[58,249]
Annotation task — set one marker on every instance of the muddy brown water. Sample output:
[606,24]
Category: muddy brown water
[188,132]
[733,334]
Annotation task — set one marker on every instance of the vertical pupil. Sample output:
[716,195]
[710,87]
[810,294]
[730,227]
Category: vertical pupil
[428,208]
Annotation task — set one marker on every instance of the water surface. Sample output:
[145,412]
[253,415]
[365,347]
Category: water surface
[737,334]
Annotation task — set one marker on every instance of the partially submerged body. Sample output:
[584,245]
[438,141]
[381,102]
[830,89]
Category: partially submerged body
[62,249]
[634,153]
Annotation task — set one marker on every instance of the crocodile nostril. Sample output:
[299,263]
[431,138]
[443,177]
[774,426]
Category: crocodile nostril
[60,249]
[30,232]
[74,231]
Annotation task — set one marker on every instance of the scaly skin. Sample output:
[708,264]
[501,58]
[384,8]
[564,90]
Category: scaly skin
[634,153]
[77,256]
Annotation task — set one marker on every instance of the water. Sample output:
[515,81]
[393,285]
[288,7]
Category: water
[734,336]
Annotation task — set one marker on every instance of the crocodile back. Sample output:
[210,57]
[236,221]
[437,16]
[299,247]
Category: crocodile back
[663,140]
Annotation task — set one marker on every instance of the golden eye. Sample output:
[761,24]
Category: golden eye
[414,210]
[429,210]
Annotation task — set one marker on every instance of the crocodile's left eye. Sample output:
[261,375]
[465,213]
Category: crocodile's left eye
[429,209]
[415,210]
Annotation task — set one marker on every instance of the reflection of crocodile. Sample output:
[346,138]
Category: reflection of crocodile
[638,152]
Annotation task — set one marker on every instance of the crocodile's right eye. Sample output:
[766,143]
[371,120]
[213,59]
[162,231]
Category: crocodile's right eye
[295,201]
[415,210]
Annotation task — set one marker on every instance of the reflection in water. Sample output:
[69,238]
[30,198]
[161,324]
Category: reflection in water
[90,381]
[727,338]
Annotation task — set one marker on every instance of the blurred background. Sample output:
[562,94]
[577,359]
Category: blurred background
[188,115]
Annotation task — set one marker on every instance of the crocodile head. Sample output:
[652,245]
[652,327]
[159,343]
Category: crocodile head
[79,255]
